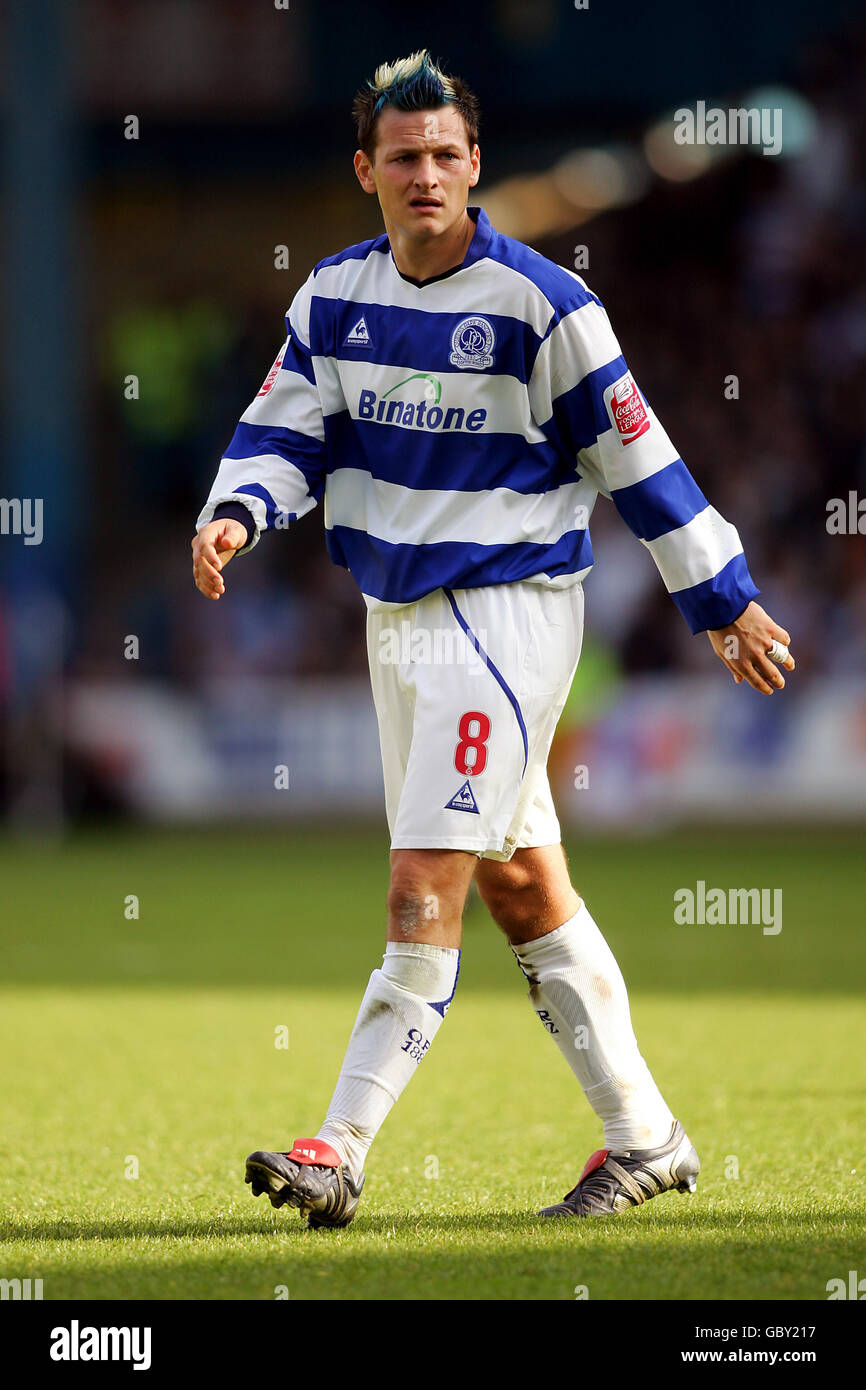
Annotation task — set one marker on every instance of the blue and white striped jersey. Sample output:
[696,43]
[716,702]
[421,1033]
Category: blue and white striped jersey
[459,432]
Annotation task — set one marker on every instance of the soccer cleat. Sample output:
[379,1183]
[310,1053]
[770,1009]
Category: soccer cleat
[614,1182]
[311,1177]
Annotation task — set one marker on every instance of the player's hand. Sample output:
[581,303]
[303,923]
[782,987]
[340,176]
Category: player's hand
[212,548]
[744,645]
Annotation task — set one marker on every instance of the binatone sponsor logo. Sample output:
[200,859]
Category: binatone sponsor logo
[426,414]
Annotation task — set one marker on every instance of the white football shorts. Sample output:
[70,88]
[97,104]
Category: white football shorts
[469,685]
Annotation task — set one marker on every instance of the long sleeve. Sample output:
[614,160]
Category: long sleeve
[589,404]
[275,464]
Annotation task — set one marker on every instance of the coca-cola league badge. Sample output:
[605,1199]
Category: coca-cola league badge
[274,372]
[626,409]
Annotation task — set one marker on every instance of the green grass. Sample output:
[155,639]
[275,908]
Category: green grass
[153,1039]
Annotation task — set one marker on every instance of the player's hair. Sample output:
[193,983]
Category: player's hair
[415,83]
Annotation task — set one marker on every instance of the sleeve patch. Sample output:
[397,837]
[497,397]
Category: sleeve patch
[274,372]
[626,409]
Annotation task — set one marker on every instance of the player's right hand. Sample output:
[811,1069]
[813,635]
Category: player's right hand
[744,647]
[212,548]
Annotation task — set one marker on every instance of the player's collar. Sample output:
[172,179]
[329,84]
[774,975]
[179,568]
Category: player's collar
[476,250]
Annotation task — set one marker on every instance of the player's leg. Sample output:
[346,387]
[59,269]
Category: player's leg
[401,1012]
[406,999]
[578,992]
[453,754]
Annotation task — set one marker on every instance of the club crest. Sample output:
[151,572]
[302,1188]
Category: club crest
[472,344]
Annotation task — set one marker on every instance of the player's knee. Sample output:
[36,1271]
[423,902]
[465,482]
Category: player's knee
[427,888]
[512,896]
[410,907]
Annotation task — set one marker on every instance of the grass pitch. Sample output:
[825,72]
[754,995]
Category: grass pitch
[140,1067]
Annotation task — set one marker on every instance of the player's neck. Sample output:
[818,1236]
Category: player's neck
[424,260]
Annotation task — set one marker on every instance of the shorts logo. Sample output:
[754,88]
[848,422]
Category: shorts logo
[273,373]
[359,336]
[463,800]
[472,344]
[626,409]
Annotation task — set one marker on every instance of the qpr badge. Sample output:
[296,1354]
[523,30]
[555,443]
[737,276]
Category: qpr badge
[472,343]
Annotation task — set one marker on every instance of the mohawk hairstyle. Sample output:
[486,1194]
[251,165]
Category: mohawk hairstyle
[415,83]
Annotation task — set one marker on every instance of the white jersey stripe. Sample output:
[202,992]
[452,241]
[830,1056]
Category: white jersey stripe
[407,516]
[695,552]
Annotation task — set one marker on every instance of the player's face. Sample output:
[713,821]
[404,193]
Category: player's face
[422,169]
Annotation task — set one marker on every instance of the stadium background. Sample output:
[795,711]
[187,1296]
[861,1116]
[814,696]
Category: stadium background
[154,257]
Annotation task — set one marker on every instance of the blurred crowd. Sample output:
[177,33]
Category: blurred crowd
[740,302]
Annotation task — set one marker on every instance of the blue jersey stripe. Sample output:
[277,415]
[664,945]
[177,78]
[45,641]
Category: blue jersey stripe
[404,573]
[400,337]
[307,454]
[661,503]
[579,415]
[359,252]
[717,601]
[579,299]
[512,698]
[455,461]
[256,490]
[297,358]
[555,283]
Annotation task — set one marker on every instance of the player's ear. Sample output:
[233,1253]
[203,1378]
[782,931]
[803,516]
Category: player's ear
[364,170]
[475,161]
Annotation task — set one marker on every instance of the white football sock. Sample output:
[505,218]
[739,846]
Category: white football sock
[578,992]
[400,1015]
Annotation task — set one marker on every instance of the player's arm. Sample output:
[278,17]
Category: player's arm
[274,468]
[598,409]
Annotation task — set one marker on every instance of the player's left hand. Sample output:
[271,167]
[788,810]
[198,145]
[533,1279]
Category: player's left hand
[744,647]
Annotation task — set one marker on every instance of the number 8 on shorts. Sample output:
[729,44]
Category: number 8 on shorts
[470,757]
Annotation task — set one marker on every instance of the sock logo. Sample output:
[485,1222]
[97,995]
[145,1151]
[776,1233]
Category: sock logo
[547,1020]
[416,1044]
